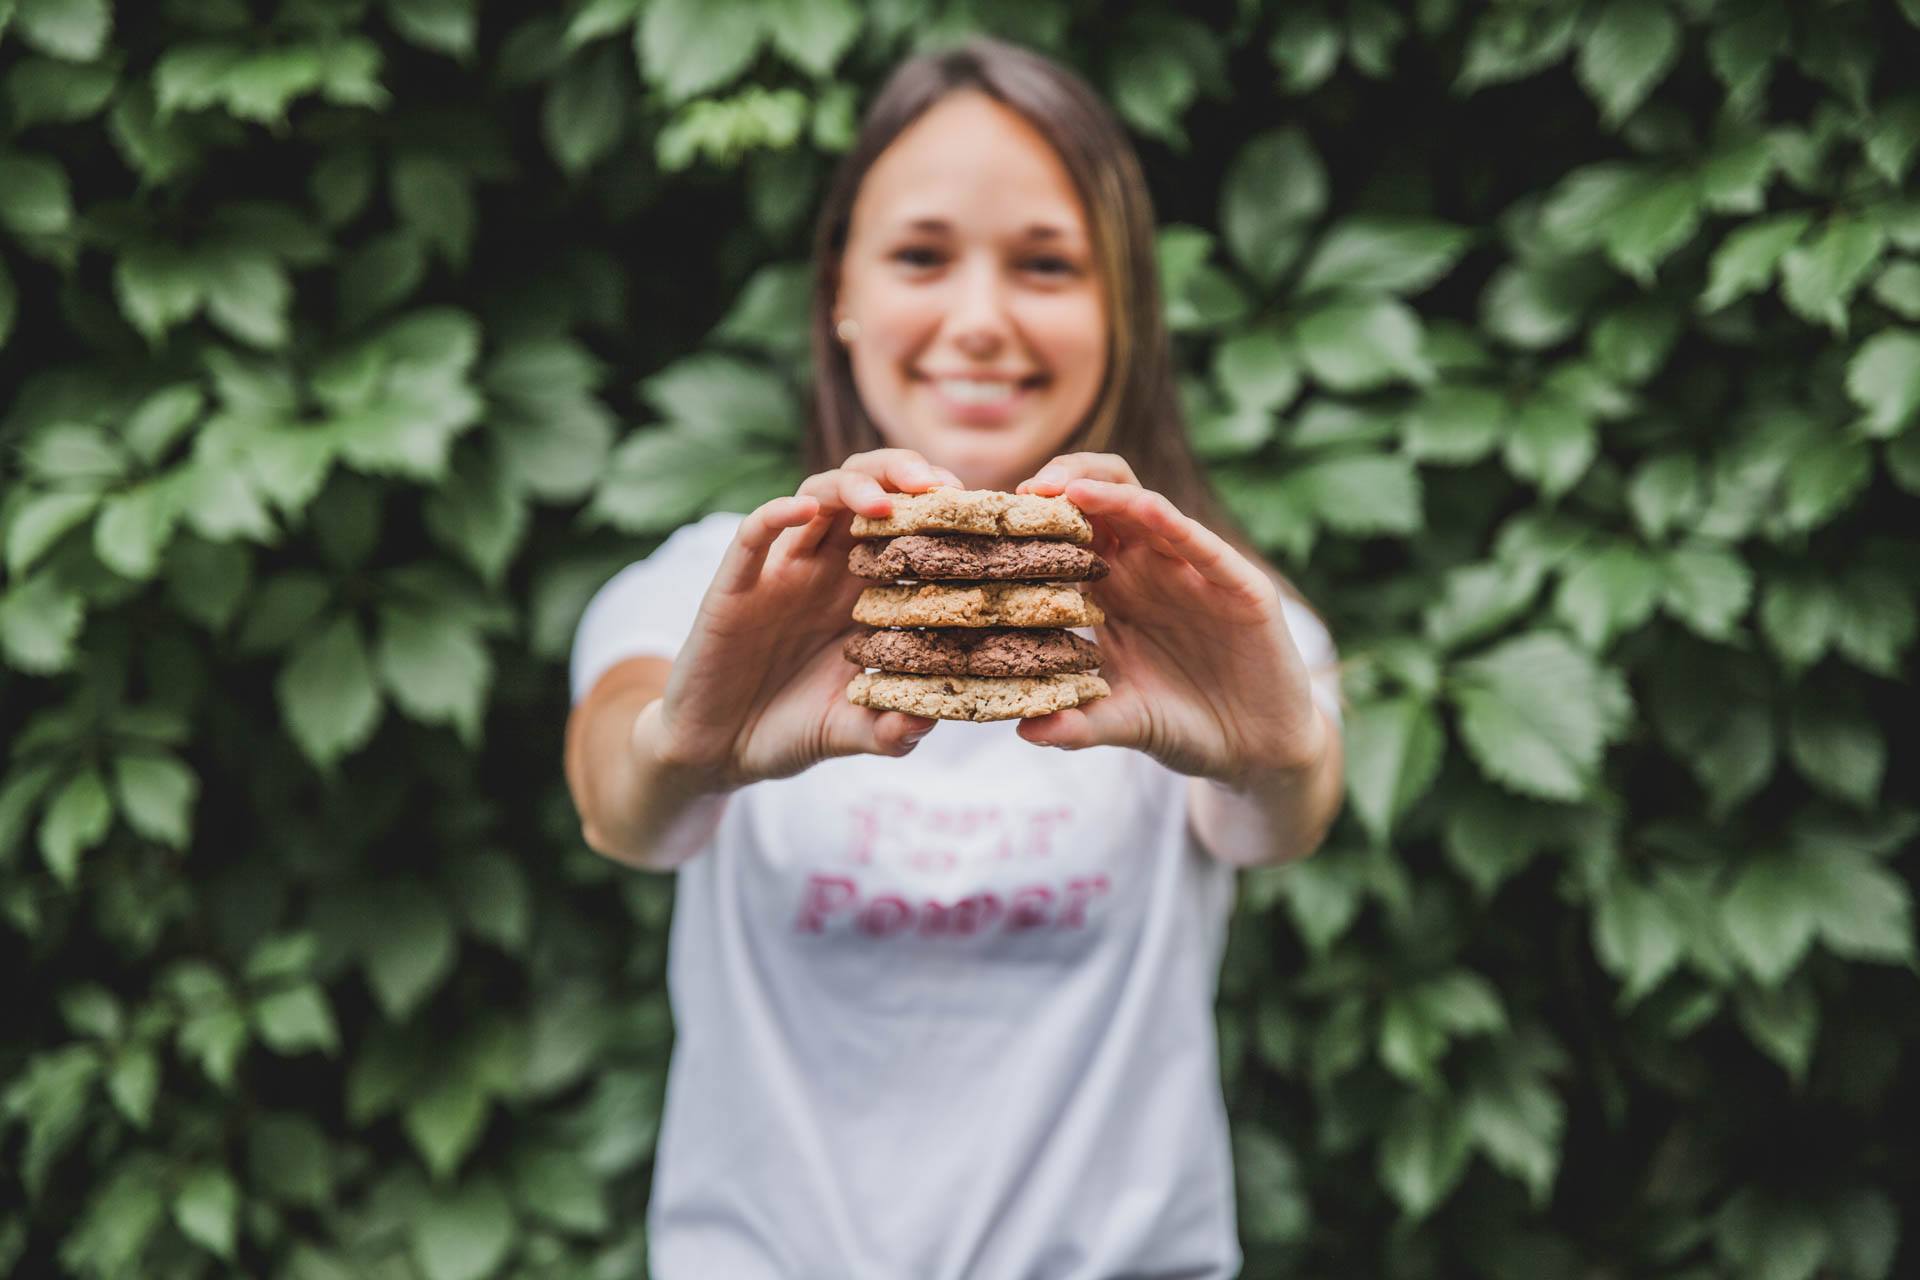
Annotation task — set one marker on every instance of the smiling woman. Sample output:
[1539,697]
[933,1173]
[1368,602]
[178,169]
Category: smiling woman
[887,926]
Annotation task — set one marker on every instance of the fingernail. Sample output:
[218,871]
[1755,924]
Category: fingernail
[1053,476]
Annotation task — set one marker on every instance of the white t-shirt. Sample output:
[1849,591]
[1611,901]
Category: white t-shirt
[942,1016]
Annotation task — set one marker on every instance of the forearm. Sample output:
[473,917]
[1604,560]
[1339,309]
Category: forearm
[1274,815]
[636,807]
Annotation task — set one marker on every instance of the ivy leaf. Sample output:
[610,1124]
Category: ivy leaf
[76,821]
[1630,49]
[1646,229]
[327,693]
[1275,188]
[813,34]
[1665,492]
[1424,1152]
[1783,1021]
[1637,935]
[1708,588]
[1363,494]
[296,1020]
[463,1233]
[1837,747]
[1537,712]
[1819,277]
[1610,593]
[443,26]
[410,948]
[206,1209]
[1383,254]
[1454,424]
[1393,755]
[586,110]
[156,794]
[1550,441]
[446,1119]
[134,528]
[40,522]
[73,30]
[687,47]
[1884,379]
[1746,259]
[1356,345]
[435,668]
[1768,918]
[554,1185]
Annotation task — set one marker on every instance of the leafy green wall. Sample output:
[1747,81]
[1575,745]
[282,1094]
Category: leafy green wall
[1568,355]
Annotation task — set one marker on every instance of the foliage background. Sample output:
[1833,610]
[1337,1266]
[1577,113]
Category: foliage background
[1567,354]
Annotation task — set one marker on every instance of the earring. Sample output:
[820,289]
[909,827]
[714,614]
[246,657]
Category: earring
[847,330]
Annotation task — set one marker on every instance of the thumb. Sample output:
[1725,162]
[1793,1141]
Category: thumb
[854,730]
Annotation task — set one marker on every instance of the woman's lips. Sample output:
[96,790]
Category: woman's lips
[980,402]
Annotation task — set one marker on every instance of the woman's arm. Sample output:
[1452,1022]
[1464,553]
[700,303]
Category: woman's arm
[635,806]
[1274,816]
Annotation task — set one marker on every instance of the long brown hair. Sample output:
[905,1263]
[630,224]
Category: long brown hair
[1137,413]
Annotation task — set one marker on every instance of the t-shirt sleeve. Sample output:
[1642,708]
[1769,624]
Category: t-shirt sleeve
[647,609]
[1315,643]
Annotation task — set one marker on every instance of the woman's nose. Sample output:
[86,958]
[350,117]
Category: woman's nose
[979,321]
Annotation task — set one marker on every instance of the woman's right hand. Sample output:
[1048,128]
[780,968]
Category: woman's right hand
[759,690]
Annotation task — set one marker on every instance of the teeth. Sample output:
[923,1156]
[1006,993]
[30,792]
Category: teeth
[968,391]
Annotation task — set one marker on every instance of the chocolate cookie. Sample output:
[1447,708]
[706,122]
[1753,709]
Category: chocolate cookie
[984,511]
[970,555]
[974,697]
[985,651]
[980,604]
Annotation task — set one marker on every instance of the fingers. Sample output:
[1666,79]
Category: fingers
[863,731]
[1104,722]
[862,486]
[1053,479]
[740,567]
[1150,516]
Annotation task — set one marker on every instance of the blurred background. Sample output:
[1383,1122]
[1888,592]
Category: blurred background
[1566,354]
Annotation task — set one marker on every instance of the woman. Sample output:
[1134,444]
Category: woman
[944,1002]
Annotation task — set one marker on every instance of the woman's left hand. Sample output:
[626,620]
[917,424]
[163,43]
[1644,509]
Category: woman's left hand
[1205,676]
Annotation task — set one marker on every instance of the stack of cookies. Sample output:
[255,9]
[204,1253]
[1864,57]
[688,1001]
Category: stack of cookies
[972,624]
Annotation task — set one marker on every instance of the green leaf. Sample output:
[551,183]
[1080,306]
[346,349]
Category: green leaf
[1837,747]
[726,398]
[1424,1153]
[75,30]
[1874,620]
[1540,304]
[1258,370]
[1665,493]
[463,1233]
[34,199]
[1865,1225]
[289,1158]
[156,794]
[1897,288]
[1513,43]
[1630,48]
[134,528]
[586,110]
[1708,588]
[121,1216]
[446,1119]
[248,294]
[1359,345]
[39,621]
[132,1082]
[1536,714]
[1550,441]
[1152,87]
[1646,229]
[435,668]
[1454,425]
[813,34]
[555,1185]
[1363,494]
[690,46]
[1383,254]
[410,949]
[40,522]
[327,694]
[1393,750]
[1275,187]
[1610,593]
[1768,917]
[1770,1240]
[43,90]
[494,899]
[1818,278]
[1884,379]
[1746,259]
[76,821]
[444,26]
[1637,935]
[1783,1021]
[207,1209]
[1514,1116]
[296,1020]
[1305,48]
[1744,44]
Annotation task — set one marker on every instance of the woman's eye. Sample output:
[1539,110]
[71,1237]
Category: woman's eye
[917,257]
[1050,266]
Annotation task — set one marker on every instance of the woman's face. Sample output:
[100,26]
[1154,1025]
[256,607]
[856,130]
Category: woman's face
[969,271]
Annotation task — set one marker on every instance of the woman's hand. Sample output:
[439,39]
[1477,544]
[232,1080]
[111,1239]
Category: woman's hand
[1204,674]
[759,689]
